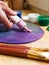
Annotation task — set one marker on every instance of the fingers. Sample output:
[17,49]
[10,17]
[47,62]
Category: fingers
[7,9]
[5,20]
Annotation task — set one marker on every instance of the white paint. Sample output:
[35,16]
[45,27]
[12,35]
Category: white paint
[33,17]
[25,18]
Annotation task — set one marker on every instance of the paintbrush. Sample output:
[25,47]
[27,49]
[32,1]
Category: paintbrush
[24,51]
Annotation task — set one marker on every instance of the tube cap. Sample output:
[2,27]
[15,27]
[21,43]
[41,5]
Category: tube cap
[43,20]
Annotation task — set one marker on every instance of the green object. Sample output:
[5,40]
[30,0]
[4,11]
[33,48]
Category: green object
[43,20]
[48,28]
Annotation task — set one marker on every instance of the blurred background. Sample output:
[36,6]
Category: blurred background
[39,6]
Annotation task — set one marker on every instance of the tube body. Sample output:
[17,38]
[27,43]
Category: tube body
[18,21]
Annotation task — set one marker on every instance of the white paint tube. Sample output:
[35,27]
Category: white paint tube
[18,21]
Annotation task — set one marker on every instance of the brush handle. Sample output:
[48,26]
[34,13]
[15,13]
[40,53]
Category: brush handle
[23,51]
[14,50]
[14,46]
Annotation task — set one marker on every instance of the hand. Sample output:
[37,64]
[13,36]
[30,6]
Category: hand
[4,12]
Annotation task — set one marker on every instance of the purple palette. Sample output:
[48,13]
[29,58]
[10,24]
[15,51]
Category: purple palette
[16,36]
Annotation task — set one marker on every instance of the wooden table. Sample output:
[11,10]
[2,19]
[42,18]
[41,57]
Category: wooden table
[41,43]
